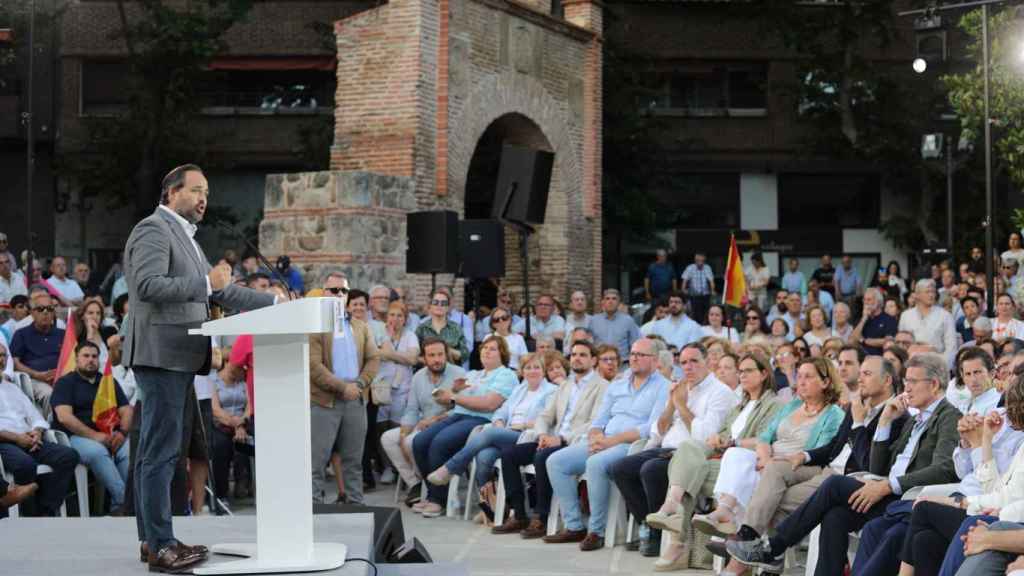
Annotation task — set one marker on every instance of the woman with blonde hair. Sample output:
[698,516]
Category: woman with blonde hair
[695,466]
[817,327]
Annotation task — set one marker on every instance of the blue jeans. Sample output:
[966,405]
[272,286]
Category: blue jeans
[990,562]
[112,471]
[955,552]
[486,446]
[432,447]
[163,414]
[566,465]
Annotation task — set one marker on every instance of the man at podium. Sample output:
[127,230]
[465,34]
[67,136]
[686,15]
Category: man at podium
[170,287]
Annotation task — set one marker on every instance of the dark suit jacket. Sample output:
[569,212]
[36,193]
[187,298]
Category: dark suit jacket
[860,441]
[168,294]
[932,459]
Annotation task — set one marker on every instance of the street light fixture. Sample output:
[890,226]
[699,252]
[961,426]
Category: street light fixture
[920,65]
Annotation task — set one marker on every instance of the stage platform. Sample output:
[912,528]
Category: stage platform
[105,546]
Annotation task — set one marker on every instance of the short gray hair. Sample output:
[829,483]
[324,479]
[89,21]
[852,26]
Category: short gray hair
[933,364]
[544,338]
[335,274]
[658,344]
[875,292]
[925,283]
[380,287]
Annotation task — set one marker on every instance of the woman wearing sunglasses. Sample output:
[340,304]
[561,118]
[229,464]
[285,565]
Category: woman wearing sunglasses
[501,325]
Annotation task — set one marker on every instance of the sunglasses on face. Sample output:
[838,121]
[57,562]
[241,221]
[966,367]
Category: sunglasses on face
[442,303]
[338,290]
[49,309]
[752,318]
[500,318]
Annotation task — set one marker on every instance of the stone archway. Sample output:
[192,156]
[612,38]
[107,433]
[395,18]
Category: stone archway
[517,109]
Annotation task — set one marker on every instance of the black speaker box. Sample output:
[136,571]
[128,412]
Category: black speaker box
[412,552]
[481,249]
[388,534]
[523,181]
[433,242]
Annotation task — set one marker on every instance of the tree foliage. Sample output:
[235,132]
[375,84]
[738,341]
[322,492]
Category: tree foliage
[168,45]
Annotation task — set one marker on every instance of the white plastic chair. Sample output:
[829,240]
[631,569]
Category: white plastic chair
[81,477]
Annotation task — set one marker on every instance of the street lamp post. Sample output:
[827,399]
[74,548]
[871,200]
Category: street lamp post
[983,4]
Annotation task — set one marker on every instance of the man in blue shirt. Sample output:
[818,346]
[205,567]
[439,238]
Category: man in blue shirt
[793,280]
[36,349]
[612,326]
[293,276]
[847,281]
[875,326]
[628,409]
[660,278]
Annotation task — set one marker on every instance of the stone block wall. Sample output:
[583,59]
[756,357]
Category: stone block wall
[352,221]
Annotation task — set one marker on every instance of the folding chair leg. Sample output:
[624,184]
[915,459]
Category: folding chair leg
[554,517]
[471,489]
[452,508]
[398,488]
[499,500]
[616,518]
[82,488]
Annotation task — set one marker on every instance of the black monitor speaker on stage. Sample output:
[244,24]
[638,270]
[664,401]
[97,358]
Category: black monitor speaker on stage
[523,181]
[481,249]
[388,533]
[433,242]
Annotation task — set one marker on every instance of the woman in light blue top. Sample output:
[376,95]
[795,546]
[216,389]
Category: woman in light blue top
[515,415]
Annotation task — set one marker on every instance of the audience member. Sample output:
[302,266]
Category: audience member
[660,278]
[613,326]
[875,327]
[291,274]
[472,406]
[825,273]
[847,281]
[696,408]
[793,280]
[501,323]
[698,285]
[1005,324]
[23,448]
[608,361]
[12,282]
[422,410]
[546,322]
[36,348]
[677,329]
[439,325]
[694,466]
[929,323]
[657,311]
[577,317]
[629,408]
[341,369]
[758,275]
[103,450]
[67,288]
[715,325]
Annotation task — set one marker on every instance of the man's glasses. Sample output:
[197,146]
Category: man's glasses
[640,354]
[441,303]
[50,309]
[338,290]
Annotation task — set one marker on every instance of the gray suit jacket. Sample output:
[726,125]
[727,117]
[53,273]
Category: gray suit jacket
[549,421]
[167,290]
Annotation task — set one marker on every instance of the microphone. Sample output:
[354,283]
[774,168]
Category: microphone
[235,232]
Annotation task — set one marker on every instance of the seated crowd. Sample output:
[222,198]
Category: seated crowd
[832,412]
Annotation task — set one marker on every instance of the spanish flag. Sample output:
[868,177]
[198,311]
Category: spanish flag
[735,291]
[66,361]
[104,407]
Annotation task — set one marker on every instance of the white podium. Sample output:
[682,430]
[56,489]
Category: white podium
[284,503]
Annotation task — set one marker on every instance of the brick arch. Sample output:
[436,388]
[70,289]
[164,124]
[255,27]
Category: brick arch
[499,96]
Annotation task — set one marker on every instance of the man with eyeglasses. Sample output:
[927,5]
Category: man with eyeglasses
[341,368]
[36,348]
[438,325]
[608,361]
[628,410]
[921,454]
[12,282]
[545,322]
[612,326]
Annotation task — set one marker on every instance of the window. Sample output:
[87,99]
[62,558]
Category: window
[829,200]
[104,87]
[269,90]
[702,200]
[707,88]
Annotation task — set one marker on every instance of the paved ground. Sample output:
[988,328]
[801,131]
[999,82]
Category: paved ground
[488,555]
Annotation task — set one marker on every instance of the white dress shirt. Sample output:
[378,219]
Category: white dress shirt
[17,414]
[936,328]
[579,383]
[967,461]
[190,230]
[711,401]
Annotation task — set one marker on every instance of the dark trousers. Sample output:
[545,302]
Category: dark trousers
[643,480]
[882,539]
[932,527]
[224,454]
[955,551]
[371,447]
[53,487]
[433,447]
[829,508]
[512,457]
[699,307]
[160,436]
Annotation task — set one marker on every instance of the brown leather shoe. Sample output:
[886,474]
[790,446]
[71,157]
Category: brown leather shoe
[566,536]
[196,550]
[173,560]
[535,530]
[592,542]
[511,526]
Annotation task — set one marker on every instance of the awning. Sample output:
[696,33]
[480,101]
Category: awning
[324,63]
